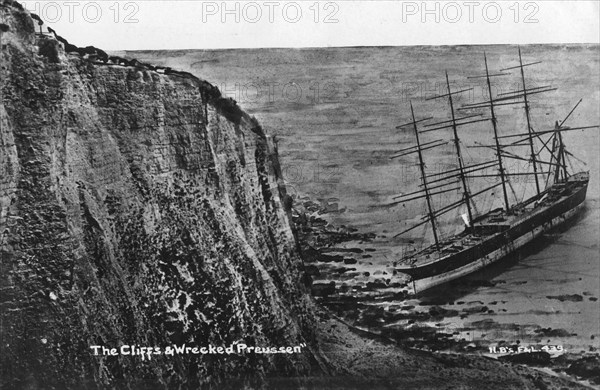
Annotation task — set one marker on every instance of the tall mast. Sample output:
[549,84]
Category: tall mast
[498,149]
[424,180]
[562,164]
[552,155]
[463,179]
[529,129]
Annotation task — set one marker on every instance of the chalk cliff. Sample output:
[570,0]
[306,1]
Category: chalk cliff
[136,207]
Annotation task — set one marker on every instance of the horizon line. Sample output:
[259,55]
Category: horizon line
[368,47]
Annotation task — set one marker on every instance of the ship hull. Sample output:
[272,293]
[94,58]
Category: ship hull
[429,282]
[496,246]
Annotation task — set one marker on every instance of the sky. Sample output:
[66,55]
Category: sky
[199,24]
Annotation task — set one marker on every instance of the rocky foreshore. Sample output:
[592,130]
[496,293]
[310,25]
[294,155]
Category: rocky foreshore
[384,307]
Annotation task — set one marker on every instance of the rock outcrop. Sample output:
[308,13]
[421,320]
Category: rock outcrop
[136,208]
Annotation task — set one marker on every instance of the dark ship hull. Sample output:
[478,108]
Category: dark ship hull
[497,234]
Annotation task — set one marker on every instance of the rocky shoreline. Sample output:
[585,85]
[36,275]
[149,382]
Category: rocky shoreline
[381,304]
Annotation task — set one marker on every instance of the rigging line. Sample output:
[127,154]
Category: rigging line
[525,178]
[462,201]
[512,174]
[575,157]
[488,75]
[484,199]
[509,154]
[521,91]
[458,123]
[450,94]
[415,146]
[528,92]
[465,172]
[570,163]
[515,157]
[573,110]
[404,154]
[444,179]
[413,123]
[499,100]
[450,121]
[495,127]
[424,234]
[458,151]
[525,136]
[512,188]
[474,107]
[552,157]
[479,145]
[472,159]
[468,167]
[427,194]
[529,127]
[420,191]
[412,228]
[469,154]
[521,66]
[544,145]
[477,213]
[567,156]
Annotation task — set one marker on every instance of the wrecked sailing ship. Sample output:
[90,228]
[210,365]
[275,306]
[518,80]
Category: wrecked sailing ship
[490,236]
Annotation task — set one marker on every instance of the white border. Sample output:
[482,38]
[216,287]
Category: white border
[199,24]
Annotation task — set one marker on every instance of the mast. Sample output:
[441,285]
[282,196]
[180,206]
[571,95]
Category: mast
[424,180]
[562,165]
[557,139]
[552,156]
[529,129]
[494,124]
[463,179]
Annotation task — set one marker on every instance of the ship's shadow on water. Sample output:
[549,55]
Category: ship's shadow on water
[487,277]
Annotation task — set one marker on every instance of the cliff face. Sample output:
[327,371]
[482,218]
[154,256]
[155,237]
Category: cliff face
[136,208]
